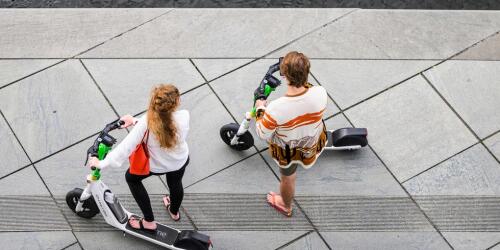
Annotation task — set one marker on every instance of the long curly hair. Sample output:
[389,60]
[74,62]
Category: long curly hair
[164,101]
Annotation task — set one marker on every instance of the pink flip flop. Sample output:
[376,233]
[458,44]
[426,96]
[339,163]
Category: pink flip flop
[278,208]
[166,202]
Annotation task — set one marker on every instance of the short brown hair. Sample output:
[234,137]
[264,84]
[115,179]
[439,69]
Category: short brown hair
[295,66]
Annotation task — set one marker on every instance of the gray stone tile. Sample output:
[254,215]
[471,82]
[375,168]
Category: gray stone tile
[13,156]
[478,105]
[486,50]
[350,81]
[236,91]
[13,70]
[64,32]
[24,182]
[212,68]
[311,241]
[74,247]
[54,108]
[398,34]
[243,240]
[249,176]
[64,171]
[208,153]
[198,33]
[411,128]
[112,240]
[344,173]
[472,240]
[128,83]
[493,143]
[472,172]
[36,240]
[385,240]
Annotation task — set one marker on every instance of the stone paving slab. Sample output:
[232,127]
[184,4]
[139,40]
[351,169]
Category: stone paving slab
[212,68]
[411,128]
[54,108]
[478,105]
[73,247]
[36,240]
[398,34]
[472,172]
[13,156]
[65,171]
[23,182]
[311,241]
[246,33]
[13,70]
[128,83]
[207,117]
[486,50]
[236,91]
[493,144]
[46,33]
[249,240]
[472,240]
[112,240]
[30,213]
[351,81]
[240,212]
[385,240]
[250,176]
[344,173]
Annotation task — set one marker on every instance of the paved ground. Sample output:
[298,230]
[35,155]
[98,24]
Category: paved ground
[425,83]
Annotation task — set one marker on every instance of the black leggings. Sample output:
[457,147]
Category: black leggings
[174,183]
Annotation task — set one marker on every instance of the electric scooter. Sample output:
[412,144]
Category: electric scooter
[239,138]
[97,197]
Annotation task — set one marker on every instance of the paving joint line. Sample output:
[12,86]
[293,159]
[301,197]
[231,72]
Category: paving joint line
[70,245]
[494,245]
[39,176]
[460,117]
[248,58]
[123,33]
[99,88]
[298,205]
[294,240]
[31,74]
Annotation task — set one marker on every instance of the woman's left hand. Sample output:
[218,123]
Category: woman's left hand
[93,162]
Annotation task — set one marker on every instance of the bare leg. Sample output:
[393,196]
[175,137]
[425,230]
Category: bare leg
[287,189]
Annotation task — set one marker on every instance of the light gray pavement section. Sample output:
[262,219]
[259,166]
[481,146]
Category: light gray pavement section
[51,33]
[472,88]
[36,240]
[250,240]
[472,172]
[472,240]
[246,33]
[351,81]
[236,91]
[54,108]
[23,182]
[208,153]
[13,70]
[212,68]
[493,143]
[411,128]
[112,240]
[13,156]
[398,34]
[311,241]
[486,50]
[128,83]
[385,240]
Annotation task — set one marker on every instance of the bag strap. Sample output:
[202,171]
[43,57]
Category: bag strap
[145,144]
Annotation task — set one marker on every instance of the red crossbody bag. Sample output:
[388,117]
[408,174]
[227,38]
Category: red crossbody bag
[139,159]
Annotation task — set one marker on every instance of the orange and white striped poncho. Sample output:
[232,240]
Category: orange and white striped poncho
[293,127]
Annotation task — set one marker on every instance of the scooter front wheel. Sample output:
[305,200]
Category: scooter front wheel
[228,131]
[90,209]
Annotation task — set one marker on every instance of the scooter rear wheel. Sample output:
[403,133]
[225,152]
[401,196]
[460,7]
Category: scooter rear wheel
[191,244]
[90,209]
[228,131]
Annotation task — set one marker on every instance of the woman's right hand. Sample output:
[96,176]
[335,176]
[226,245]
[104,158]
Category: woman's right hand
[129,120]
